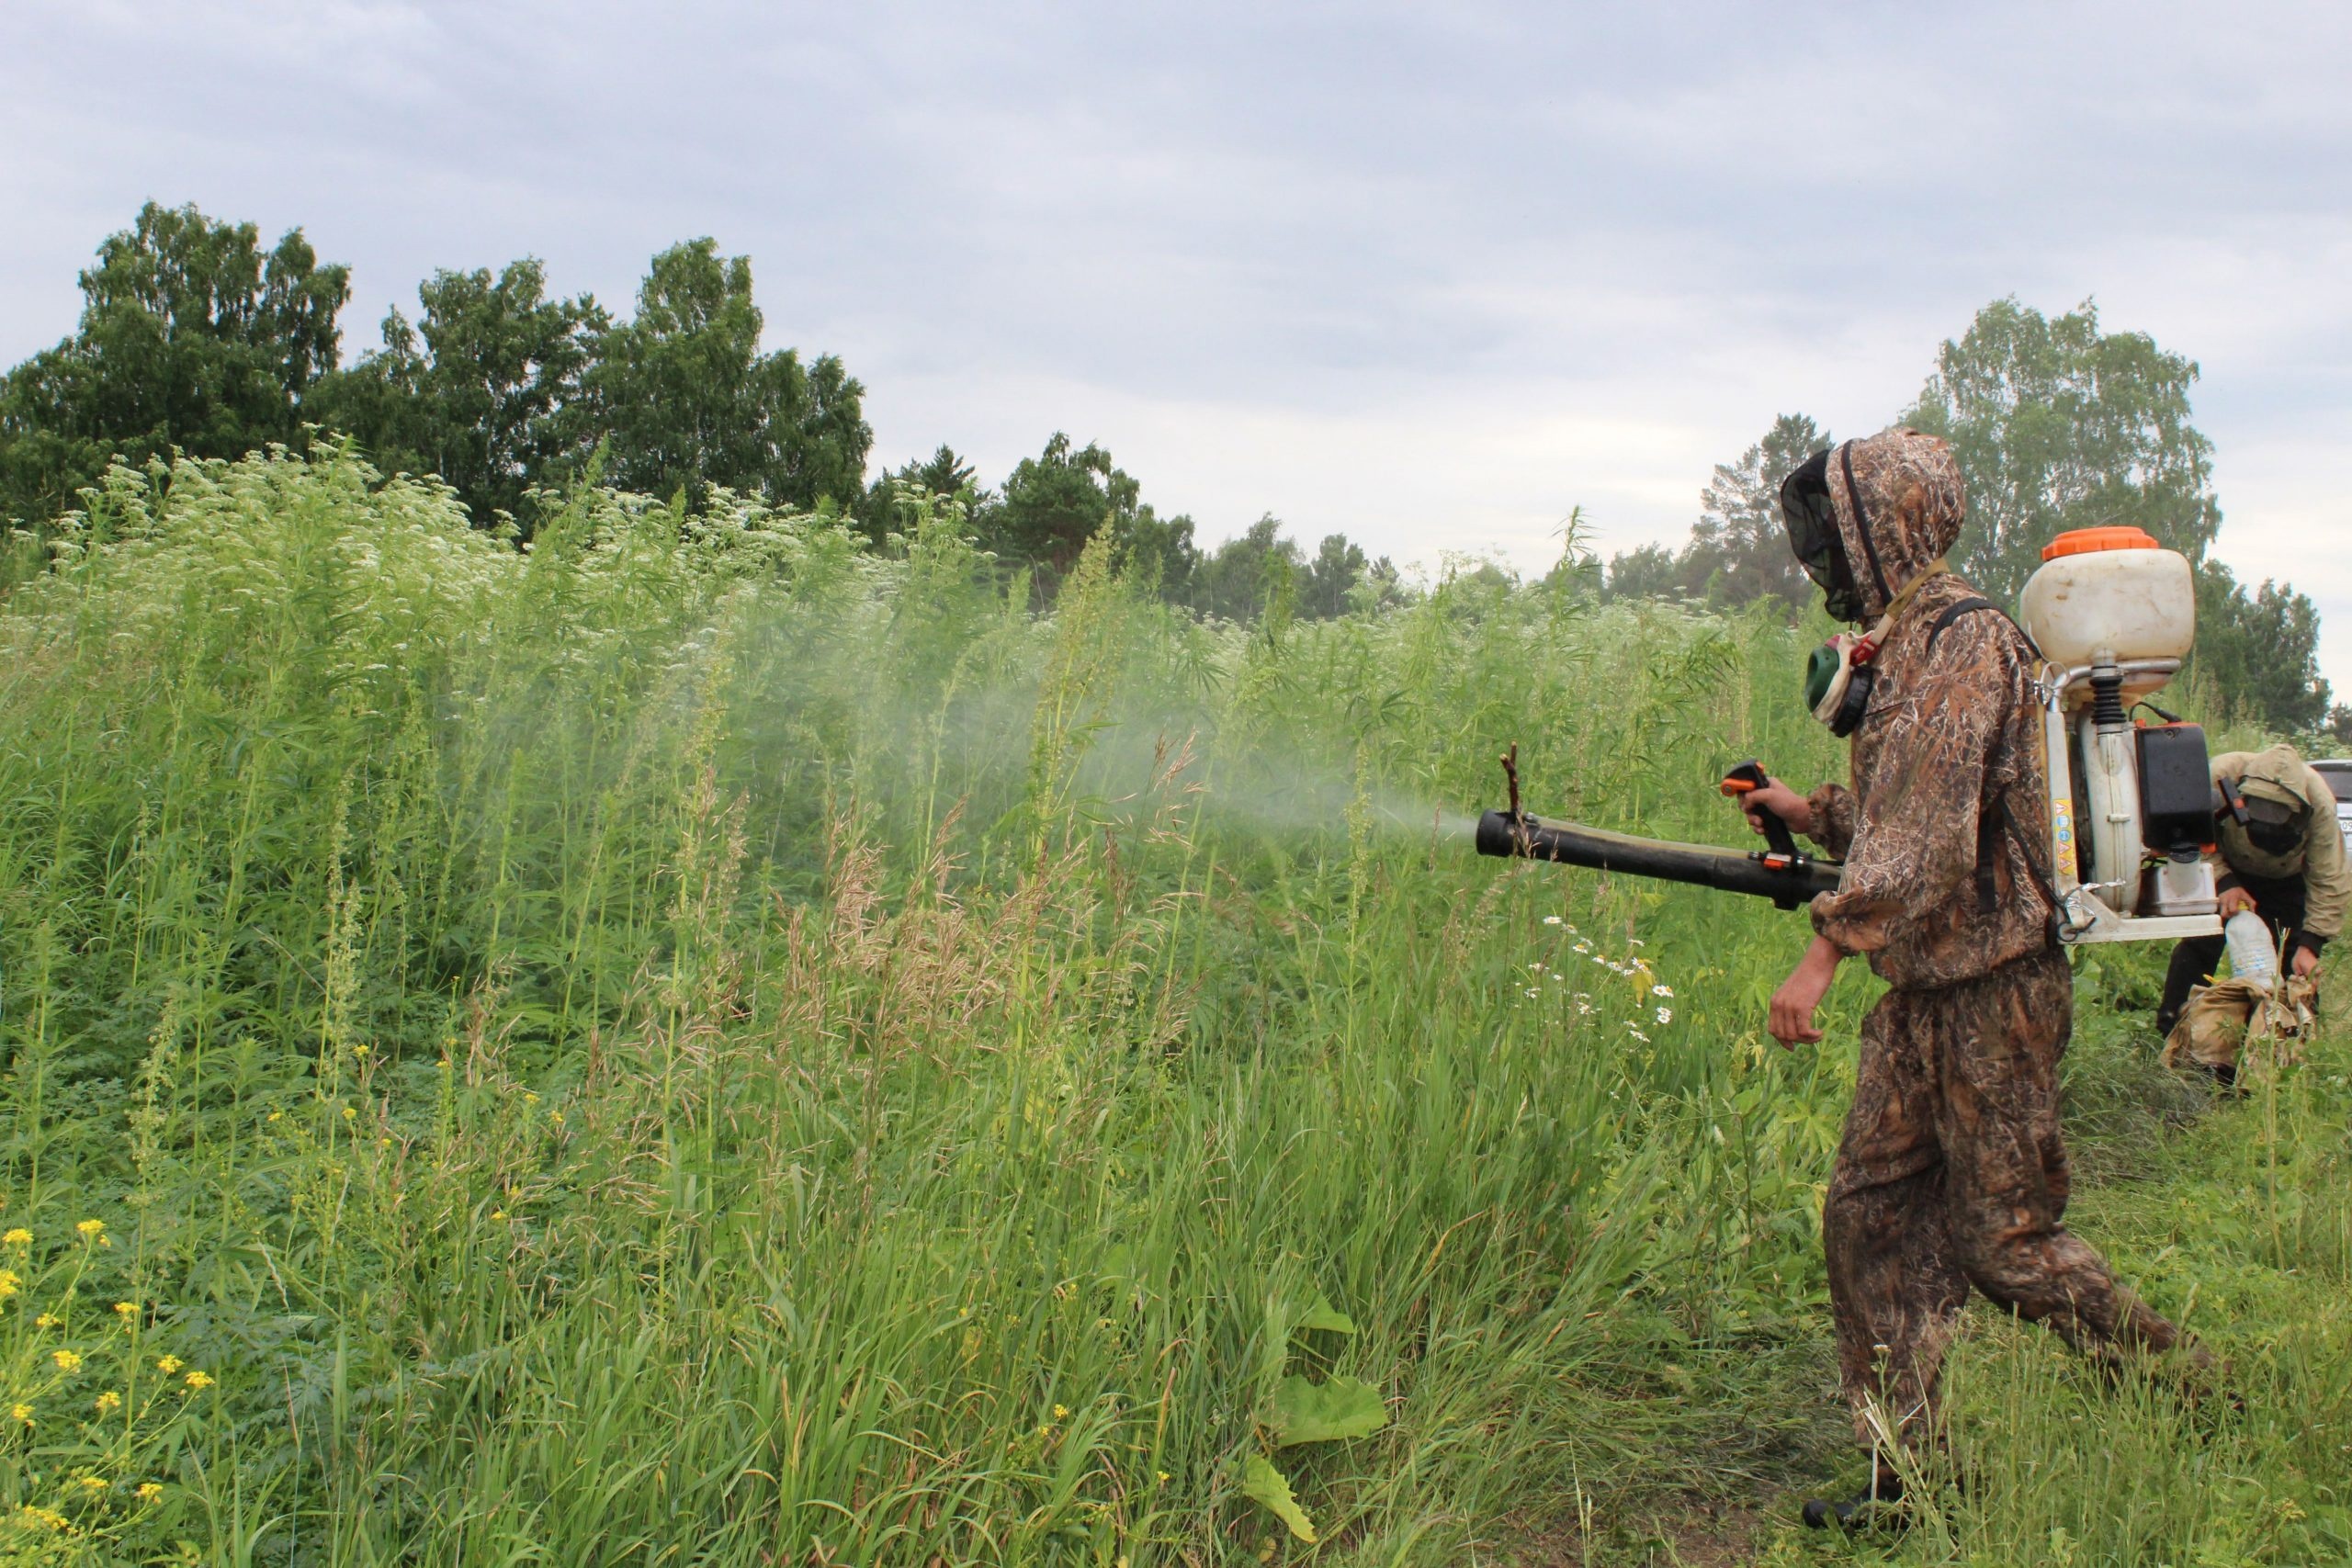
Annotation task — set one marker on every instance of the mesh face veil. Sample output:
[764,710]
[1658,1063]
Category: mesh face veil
[1812,537]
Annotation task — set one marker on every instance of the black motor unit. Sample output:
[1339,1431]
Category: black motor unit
[2176,791]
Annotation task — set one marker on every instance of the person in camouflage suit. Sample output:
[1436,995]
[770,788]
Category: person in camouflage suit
[1952,1172]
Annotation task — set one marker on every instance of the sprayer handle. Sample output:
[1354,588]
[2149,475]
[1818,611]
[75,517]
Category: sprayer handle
[1746,779]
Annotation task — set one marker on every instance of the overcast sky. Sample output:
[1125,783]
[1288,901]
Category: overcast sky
[1431,274]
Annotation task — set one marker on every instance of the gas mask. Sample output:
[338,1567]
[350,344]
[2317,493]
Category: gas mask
[1837,680]
[2275,827]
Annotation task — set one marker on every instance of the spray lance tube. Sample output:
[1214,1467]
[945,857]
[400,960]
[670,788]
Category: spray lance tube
[1783,874]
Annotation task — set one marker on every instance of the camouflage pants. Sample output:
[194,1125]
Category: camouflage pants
[1952,1173]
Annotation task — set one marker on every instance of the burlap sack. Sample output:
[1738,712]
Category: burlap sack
[2232,1023]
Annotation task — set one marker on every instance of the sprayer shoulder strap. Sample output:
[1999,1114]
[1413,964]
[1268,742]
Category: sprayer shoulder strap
[1995,824]
[1993,827]
[1953,612]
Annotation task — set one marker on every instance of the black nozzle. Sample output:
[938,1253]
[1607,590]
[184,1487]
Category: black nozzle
[1787,880]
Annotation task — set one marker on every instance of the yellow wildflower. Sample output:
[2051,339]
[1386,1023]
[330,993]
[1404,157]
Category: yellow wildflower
[167,1365]
[21,1412]
[150,1490]
[109,1403]
[8,1283]
[91,1227]
[93,1484]
[556,1117]
[124,1309]
[200,1380]
[498,1213]
[350,1112]
[529,1099]
[277,1115]
[46,1320]
[1061,1412]
[67,1360]
[19,1236]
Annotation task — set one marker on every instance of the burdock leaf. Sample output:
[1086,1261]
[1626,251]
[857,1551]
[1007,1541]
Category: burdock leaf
[1267,1487]
[1318,1413]
[1324,1316]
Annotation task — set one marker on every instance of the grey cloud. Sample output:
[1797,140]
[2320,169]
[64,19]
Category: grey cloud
[1430,273]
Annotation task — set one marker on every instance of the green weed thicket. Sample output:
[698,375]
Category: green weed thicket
[699,1043]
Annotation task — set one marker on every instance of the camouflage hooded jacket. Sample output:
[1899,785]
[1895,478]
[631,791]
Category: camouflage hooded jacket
[1944,878]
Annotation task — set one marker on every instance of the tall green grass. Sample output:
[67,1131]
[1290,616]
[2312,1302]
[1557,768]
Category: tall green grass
[702,1043]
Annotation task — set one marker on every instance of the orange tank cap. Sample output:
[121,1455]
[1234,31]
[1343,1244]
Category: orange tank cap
[2083,541]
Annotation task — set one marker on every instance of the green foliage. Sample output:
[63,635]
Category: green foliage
[1647,572]
[904,495]
[1738,551]
[483,391]
[1052,504]
[1241,578]
[1300,1410]
[701,1039]
[1338,1407]
[192,337]
[563,1023]
[2058,425]
[688,401]
[1740,536]
[1332,576]
[1265,1485]
[2261,649]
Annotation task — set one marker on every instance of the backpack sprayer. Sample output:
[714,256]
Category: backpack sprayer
[2112,615]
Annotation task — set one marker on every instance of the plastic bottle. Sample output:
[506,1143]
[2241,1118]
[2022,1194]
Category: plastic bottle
[2251,958]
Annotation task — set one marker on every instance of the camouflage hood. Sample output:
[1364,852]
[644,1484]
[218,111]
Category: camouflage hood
[1909,513]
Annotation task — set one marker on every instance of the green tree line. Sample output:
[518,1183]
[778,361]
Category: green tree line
[2056,425]
[194,337]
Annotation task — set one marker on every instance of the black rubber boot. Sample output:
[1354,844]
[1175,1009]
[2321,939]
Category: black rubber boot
[1880,1509]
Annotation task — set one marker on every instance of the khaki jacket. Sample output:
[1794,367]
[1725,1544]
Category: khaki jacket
[2319,859]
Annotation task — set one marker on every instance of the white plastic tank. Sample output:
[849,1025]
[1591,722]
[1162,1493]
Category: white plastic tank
[2114,591]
